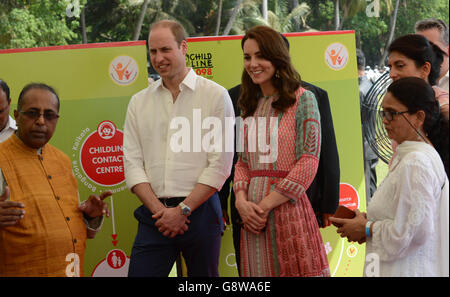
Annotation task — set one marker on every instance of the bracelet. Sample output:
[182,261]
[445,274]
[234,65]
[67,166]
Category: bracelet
[368,225]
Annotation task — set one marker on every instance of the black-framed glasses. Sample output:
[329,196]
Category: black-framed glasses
[390,114]
[35,114]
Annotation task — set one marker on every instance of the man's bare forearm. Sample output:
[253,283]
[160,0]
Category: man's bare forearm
[199,195]
[145,193]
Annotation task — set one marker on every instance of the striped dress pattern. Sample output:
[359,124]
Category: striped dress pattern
[291,244]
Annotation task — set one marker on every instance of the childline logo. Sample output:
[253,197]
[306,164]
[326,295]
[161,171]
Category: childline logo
[201,63]
[101,155]
[336,56]
[97,158]
[123,70]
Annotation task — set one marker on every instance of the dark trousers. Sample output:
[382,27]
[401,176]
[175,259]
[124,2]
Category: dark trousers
[154,254]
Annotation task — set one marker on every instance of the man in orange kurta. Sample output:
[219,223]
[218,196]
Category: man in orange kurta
[43,228]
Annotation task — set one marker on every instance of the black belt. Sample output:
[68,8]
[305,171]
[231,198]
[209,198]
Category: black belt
[171,201]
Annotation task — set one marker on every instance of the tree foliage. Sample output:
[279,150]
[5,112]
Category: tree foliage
[32,23]
[35,23]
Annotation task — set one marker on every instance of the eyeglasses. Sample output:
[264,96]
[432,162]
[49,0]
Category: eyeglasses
[35,114]
[389,114]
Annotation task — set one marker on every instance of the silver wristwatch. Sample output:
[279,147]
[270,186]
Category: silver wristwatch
[185,210]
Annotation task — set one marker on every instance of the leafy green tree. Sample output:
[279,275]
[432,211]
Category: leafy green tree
[281,18]
[35,23]
[111,20]
[281,15]
[32,23]
[372,33]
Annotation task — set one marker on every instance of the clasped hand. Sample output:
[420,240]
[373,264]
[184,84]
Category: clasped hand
[353,229]
[254,216]
[171,222]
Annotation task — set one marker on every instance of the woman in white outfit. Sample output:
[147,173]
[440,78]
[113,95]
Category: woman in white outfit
[407,220]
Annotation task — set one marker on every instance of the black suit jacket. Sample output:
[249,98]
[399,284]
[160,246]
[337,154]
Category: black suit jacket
[323,192]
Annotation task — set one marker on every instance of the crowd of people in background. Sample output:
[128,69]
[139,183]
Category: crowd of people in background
[374,74]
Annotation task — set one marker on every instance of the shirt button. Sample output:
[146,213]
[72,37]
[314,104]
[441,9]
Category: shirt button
[57,198]
[74,240]
[49,177]
[67,219]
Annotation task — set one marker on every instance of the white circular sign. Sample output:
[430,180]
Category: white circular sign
[123,70]
[336,56]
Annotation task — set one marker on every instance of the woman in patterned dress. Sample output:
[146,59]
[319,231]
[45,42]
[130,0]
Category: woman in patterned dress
[279,159]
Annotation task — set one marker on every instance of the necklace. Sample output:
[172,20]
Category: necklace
[266,100]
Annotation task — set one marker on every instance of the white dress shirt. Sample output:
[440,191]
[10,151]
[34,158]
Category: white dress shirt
[163,140]
[9,129]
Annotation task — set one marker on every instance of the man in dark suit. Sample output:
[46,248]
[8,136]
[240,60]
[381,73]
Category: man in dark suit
[227,190]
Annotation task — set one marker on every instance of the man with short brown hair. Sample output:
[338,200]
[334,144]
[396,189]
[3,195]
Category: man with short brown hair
[178,189]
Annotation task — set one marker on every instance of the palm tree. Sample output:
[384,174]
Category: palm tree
[163,9]
[349,9]
[283,20]
[235,12]
[264,10]
[219,17]
[137,30]
[392,23]
[279,16]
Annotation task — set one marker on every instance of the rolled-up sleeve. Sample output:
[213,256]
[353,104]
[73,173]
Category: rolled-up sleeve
[220,158]
[132,149]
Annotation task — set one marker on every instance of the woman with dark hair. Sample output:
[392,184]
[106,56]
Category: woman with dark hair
[280,235]
[407,220]
[413,55]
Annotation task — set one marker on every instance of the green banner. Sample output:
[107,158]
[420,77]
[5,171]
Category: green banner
[95,83]
[328,60]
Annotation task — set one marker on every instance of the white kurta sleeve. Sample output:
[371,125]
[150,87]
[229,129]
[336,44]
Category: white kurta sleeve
[413,222]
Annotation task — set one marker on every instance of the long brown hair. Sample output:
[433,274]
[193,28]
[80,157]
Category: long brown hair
[286,79]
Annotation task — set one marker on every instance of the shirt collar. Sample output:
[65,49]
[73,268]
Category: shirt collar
[19,143]
[11,123]
[188,81]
